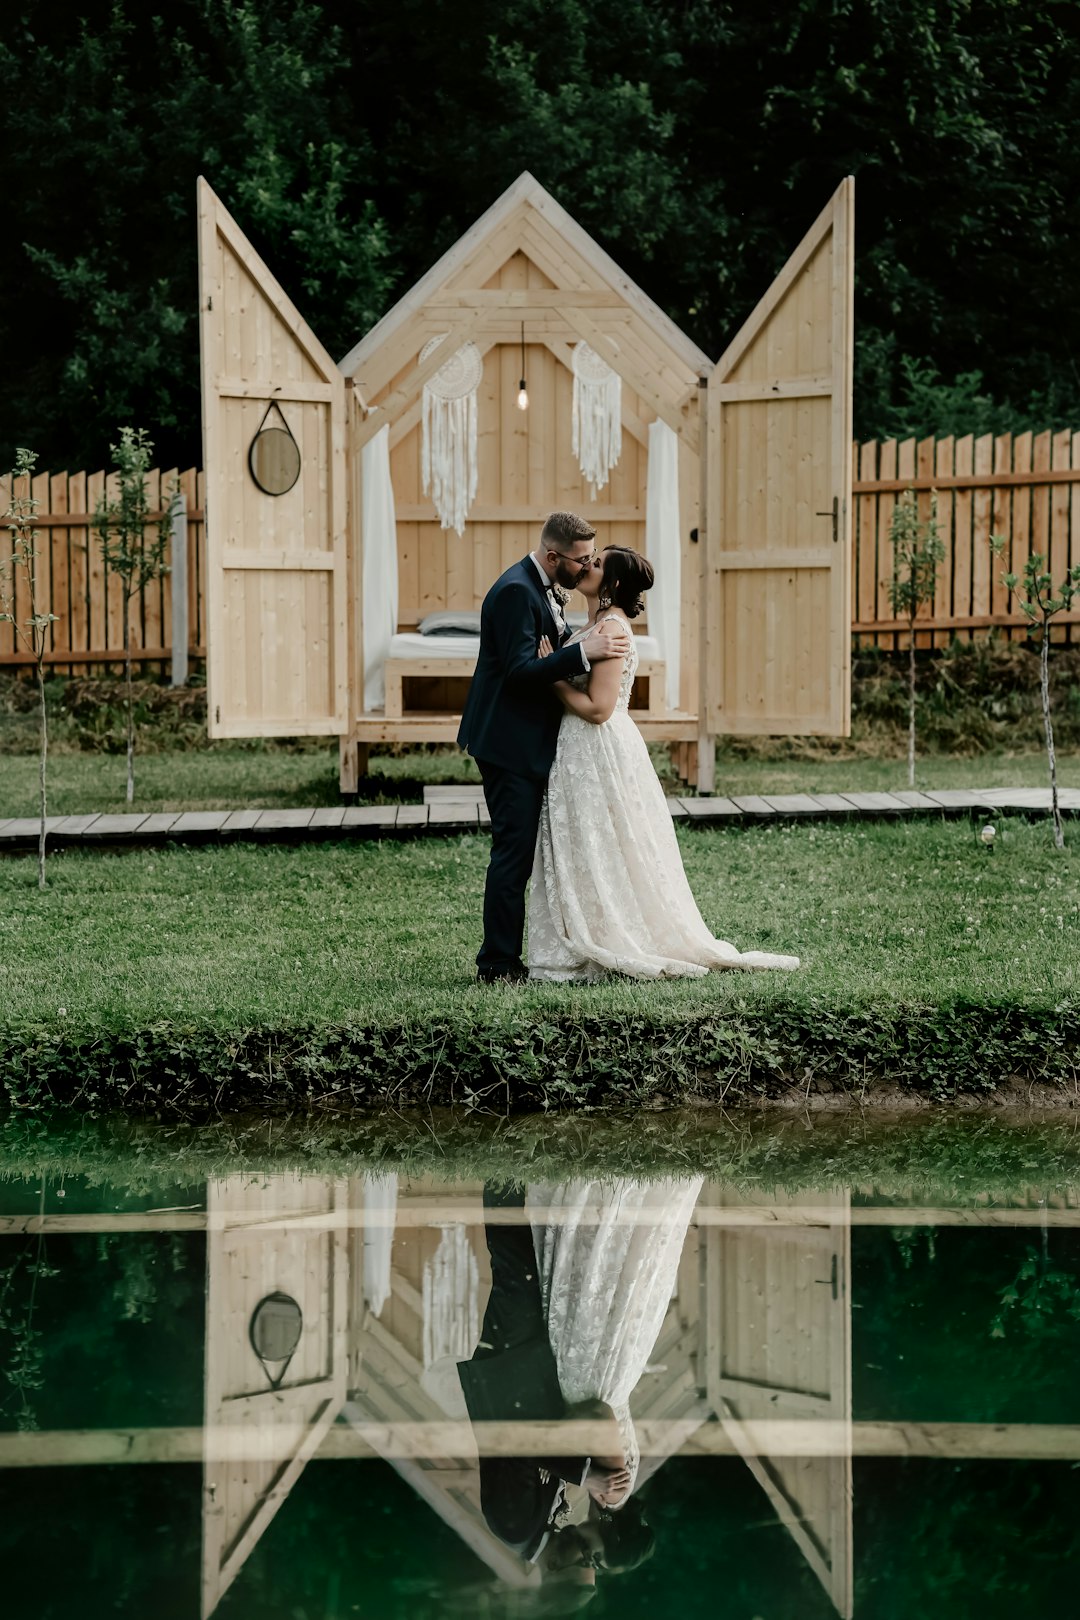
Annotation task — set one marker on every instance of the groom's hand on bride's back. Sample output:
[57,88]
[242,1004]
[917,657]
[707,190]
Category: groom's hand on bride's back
[609,640]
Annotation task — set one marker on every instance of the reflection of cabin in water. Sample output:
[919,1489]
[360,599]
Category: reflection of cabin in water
[753,1357]
[758,1326]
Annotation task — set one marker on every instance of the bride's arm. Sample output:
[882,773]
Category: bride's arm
[597,704]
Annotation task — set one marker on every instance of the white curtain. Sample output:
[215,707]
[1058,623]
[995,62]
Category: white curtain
[380,1199]
[380,576]
[663,547]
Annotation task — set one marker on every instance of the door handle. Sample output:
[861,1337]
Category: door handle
[834,513]
[832,1281]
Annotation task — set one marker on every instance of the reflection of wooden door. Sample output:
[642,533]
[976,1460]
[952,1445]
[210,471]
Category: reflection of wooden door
[266,1234]
[389,1353]
[777,1329]
[276,563]
[776,658]
[669,1404]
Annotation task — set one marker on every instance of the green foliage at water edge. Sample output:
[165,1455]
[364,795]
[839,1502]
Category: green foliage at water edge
[928,1156]
[550,1060]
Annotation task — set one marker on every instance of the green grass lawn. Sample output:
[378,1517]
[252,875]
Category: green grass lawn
[883,915]
[227,777]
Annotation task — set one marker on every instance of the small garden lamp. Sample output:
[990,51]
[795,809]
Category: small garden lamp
[523,392]
[987,836]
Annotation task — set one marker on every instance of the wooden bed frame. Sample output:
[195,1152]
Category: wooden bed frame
[398,670]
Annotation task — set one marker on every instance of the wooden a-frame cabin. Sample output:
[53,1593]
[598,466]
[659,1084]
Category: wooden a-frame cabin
[760,622]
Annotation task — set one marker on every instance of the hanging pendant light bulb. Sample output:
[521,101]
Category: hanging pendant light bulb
[523,392]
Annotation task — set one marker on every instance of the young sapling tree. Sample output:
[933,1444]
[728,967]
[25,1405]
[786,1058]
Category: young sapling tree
[32,629]
[1040,601]
[917,551]
[133,548]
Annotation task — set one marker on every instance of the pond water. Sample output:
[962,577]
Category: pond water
[799,1371]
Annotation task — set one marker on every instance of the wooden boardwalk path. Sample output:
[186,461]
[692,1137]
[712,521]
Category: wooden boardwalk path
[462,809]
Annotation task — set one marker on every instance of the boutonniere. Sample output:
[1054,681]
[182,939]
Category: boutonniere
[561,596]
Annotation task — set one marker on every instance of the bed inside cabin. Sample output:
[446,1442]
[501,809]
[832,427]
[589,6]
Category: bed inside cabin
[428,670]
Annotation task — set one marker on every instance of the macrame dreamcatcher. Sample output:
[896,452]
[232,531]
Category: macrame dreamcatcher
[448,435]
[597,418]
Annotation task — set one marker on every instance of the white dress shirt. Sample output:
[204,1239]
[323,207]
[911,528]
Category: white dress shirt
[556,610]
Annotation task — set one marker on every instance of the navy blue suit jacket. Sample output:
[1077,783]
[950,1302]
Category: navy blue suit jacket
[517,1494]
[511,717]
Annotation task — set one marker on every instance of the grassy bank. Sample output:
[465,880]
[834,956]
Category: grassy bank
[190,980]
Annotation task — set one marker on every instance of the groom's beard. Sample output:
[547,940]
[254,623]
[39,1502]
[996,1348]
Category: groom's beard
[568,576]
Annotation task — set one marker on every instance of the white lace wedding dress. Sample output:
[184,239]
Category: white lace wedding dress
[609,893]
[608,1254]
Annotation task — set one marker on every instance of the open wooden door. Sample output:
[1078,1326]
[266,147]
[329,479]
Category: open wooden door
[776,655]
[267,1236]
[777,1345]
[276,631]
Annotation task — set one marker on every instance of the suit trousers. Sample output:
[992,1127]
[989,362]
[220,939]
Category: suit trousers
[514,803]
[512,1377]
[515,1312]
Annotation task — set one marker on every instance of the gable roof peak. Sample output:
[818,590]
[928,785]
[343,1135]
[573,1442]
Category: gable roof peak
[526,189]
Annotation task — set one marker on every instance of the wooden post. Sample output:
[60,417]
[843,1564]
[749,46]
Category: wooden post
[178,559]
[348,766]
[353,759]
[706,745]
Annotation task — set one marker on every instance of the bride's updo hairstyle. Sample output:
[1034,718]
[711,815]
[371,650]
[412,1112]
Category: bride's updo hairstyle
[627,576]
[627,1536]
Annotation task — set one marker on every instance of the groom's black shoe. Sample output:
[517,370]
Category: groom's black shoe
[512,973]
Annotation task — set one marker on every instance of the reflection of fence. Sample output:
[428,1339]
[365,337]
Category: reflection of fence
[86,597]
[1026,487]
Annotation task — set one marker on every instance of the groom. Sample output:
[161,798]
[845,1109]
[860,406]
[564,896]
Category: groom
[512,1378]
[511,720]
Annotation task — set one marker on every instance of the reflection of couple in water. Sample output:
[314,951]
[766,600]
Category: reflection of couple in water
[578,1298]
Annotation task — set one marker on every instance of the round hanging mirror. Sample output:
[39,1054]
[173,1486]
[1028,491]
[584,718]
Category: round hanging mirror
[275,1328]
[274,457]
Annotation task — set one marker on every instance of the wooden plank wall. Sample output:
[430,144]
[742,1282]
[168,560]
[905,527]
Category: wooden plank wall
[526,468]
[1024,486]
[439,569]
[86,597]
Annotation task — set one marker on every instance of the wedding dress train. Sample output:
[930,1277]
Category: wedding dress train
[608,892]
[608,1256]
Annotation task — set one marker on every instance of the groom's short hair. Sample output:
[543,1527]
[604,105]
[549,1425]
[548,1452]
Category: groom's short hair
[565,529]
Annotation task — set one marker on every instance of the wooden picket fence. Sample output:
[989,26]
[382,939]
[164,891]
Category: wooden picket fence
[87,636]
[1025,487]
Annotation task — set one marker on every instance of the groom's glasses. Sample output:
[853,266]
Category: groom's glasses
[581,562]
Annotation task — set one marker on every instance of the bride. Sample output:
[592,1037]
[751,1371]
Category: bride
[608,892]
[608,1256]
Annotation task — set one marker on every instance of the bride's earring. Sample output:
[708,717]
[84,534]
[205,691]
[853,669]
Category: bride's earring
[604,600]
